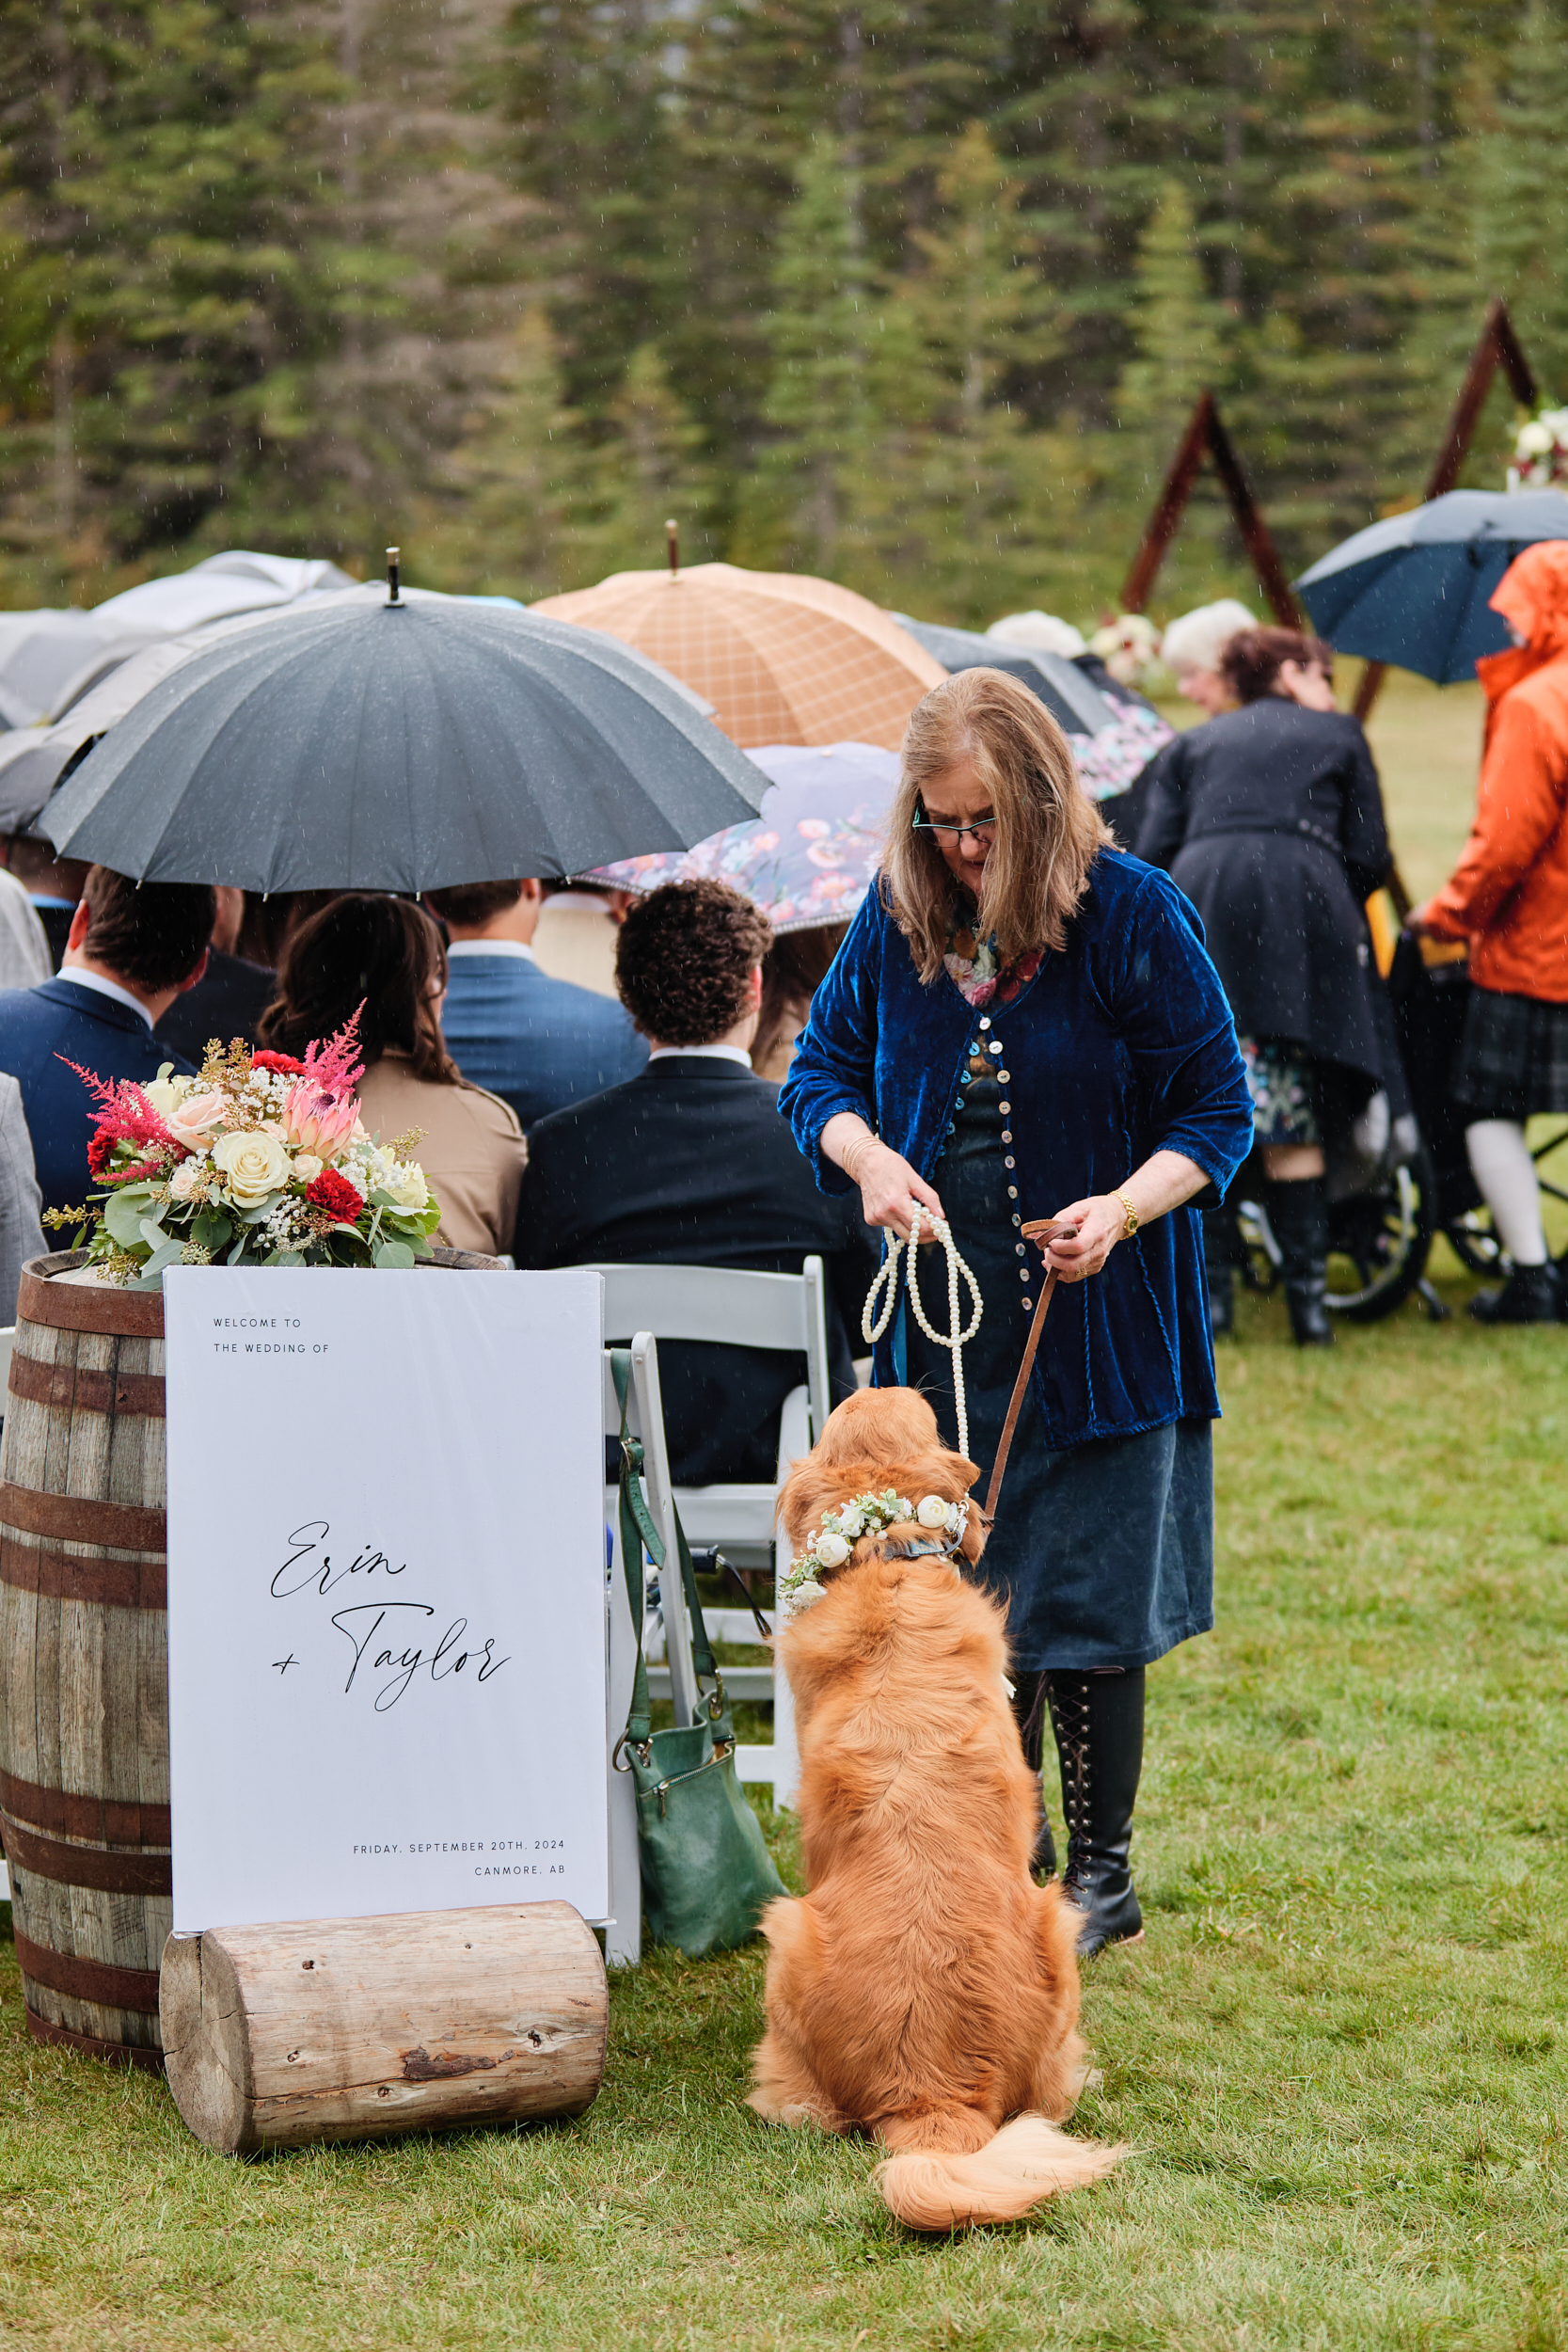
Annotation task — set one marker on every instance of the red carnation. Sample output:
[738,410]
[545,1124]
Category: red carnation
[282,1062]
[336,1195]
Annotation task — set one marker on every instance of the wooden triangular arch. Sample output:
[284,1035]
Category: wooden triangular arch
[1496,346]
[1206,437]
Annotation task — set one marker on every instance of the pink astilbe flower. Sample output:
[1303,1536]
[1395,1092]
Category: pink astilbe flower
[322,1110]
[125,1116]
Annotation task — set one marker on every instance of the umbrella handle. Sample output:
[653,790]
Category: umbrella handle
[392,595]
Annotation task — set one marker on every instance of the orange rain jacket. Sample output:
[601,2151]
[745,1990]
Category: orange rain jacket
[1509,893]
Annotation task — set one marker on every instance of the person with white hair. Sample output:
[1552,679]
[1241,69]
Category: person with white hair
[1190,650]
[1039,632]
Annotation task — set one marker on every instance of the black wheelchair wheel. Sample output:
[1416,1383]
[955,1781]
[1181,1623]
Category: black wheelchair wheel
[1378,1244]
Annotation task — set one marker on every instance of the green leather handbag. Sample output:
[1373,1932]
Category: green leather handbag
[706,1873]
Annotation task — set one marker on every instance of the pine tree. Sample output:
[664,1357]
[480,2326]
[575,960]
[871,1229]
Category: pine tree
[648,468]
[1181,333]
[514,483]
[803,500]
[1522,193]
[951,504]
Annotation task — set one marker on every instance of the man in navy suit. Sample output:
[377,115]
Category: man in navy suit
[129,955]
[538,1042]
[689,1163]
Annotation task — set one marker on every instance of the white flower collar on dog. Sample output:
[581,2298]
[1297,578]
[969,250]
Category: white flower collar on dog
[868,1514]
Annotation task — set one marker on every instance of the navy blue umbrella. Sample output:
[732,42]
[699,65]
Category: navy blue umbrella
[1415,589]
[355,743]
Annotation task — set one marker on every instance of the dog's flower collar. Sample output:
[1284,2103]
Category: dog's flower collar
[867,1515]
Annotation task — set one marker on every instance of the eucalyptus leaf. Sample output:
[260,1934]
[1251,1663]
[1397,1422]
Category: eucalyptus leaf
[122,1217]
[238,1250]
[151,1231]
[168,1255]
[211,1230]
[394,1254]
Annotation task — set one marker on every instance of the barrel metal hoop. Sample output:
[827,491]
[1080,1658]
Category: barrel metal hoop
[81,1980]
[117,2053]
[140,1583]
[97,1821]
[108,1872]
[82,1389]
[83,1520]
[84,1306]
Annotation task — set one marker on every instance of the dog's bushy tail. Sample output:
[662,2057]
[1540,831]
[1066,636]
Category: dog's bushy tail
[1028,2160]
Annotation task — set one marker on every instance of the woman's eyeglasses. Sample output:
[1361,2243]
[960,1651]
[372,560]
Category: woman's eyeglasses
[983,829]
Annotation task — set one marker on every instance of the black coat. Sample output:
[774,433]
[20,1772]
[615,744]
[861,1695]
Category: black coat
[689,1163]
[1271,820]
[226,1002]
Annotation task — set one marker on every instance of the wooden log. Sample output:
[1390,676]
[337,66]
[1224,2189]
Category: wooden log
[331,2029]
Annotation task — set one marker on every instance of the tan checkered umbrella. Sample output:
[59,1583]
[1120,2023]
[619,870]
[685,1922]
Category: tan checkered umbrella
[783,660]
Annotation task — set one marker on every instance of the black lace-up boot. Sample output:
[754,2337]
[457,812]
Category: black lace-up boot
[1098,1722]
[1299,1215]
[1029,1708]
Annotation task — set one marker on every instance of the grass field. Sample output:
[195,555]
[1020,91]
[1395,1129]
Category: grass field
[1342,2055]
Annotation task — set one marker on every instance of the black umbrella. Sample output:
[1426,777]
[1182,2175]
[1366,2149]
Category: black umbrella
[1416,588]
[365,745]
[1073,701]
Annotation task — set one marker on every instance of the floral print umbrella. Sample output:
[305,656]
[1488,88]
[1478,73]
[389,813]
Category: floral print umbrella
[811,856]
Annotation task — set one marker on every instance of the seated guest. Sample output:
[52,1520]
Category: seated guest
[129,954]
[689,1163]
[20,1234]
[385,954]
[228,999]
[538,1042]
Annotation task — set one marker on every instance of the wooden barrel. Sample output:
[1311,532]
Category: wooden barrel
[84,1659]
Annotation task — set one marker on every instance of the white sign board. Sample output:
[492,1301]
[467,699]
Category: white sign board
[386,1591]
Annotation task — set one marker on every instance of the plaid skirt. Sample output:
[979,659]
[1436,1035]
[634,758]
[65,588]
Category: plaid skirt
[1513,1057]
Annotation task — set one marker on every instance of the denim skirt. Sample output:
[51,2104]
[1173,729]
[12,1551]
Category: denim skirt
[1102,1552]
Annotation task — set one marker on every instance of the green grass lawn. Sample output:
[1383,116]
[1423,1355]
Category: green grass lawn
[1342,2055]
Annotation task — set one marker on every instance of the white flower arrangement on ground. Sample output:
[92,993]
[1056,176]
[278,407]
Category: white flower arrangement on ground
[867,1515]
[1540,452]
[261,1158]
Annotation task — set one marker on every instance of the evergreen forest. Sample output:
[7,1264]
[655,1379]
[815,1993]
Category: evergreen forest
[915,294]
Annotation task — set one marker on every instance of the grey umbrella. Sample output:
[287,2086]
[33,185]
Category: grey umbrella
[363,744]
[1073,701]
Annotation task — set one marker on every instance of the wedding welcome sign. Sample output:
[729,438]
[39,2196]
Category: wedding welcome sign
[386,1591]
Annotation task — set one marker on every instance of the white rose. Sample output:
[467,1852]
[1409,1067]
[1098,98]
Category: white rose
[405,1181]
[188,1181]
[1535,439]
[933,1511]
[307,1167]
[831,1551]
[160,1093]
[252,1165]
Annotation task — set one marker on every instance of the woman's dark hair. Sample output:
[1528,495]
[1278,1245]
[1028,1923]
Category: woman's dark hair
[684,960]
[155,935]
[1253,660]
[364,948]
[793,970]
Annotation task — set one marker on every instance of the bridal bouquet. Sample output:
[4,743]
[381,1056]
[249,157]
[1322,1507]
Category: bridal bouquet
[262,1158]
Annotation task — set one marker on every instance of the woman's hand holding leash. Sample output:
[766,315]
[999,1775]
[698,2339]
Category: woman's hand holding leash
[1103,1218]
[889,1186]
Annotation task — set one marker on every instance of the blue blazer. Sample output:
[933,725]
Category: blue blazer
[60,1017]
[540,1043]
[1122,1046]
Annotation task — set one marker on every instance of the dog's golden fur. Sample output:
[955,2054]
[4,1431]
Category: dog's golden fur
[925,1990]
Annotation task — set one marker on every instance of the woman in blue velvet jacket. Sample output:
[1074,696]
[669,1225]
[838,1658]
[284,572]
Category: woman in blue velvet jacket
[1023,1024]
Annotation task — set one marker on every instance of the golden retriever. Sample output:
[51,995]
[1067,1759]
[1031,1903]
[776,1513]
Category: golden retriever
[925,1990]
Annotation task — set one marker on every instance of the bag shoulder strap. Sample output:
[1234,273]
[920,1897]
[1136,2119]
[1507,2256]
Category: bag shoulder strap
[638,1533]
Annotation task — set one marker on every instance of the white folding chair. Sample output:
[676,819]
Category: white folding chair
[645,1421]
[735,1308]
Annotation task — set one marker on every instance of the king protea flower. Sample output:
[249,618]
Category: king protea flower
[320,1114]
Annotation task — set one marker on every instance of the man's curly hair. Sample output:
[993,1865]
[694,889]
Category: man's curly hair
[683,959]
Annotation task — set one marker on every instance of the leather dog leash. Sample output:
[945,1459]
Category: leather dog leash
[1043,1230]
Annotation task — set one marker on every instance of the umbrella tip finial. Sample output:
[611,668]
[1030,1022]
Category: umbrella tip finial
[393,555]
[673,544]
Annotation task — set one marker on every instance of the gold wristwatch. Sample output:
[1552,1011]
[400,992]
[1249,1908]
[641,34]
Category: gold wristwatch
[1131,1214]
